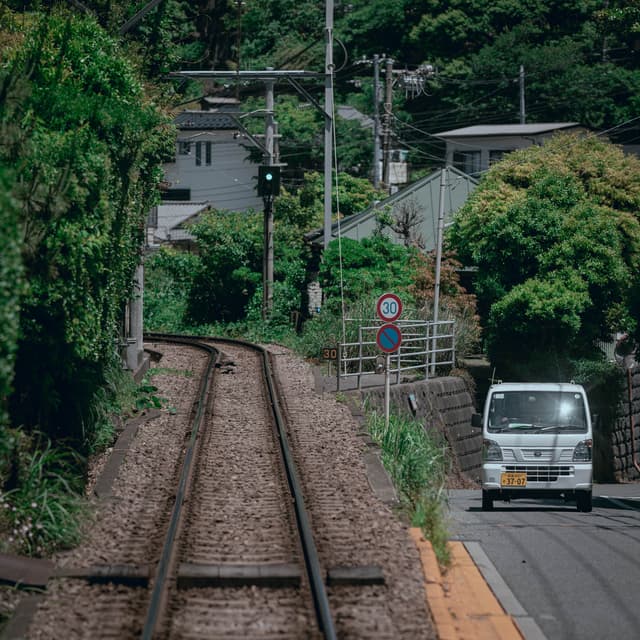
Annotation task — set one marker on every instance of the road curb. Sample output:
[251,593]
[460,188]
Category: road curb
[461,603]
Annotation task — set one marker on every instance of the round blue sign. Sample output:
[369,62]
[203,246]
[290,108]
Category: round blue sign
[389,338]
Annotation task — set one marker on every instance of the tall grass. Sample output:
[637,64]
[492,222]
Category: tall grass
[417,462]
[44,510]
[116,396]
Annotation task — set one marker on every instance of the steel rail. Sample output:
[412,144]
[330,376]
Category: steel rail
[167,557]
[312,561]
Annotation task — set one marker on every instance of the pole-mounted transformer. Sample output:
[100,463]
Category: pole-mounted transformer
[268,180]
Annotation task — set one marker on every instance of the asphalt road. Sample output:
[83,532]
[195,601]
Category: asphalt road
[577,575]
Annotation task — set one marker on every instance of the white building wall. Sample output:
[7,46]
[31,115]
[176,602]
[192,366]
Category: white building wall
[228,183]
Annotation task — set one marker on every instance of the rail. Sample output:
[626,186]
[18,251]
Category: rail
[427,348]
[167,560]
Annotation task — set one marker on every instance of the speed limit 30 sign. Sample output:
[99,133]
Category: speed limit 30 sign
[389,307]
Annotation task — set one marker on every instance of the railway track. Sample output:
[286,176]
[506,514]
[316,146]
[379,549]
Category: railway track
[220,562]
[205,533]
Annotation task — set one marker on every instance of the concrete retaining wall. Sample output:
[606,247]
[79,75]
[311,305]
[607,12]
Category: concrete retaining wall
[444,404]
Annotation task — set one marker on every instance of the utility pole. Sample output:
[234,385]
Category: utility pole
[436,294]
[388,104]
[376,121]
[328,120]
[522,111]
[267,264]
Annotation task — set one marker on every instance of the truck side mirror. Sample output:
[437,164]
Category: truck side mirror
[476,420]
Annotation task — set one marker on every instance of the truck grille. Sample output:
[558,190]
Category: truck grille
[541,473]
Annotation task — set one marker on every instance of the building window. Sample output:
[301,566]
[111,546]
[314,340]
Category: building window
[207,153]
[184,147]
[198,154]
[467,161]
[495,155]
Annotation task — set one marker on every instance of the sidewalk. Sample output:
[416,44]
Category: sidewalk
[462,605]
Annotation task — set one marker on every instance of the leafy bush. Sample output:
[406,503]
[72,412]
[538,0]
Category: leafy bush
[230,248]
[168,277]
[355,269]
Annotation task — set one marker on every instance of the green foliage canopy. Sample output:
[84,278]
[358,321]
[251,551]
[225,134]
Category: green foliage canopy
[10,288]
[555,234]
[86,164]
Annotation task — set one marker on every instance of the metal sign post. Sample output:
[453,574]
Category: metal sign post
[389,339]
[387,390]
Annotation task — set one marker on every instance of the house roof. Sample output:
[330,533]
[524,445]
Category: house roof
[317,236]
[203,120]
[172,215]
[351,113]
[507,129]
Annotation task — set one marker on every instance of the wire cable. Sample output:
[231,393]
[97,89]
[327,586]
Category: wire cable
[337,181]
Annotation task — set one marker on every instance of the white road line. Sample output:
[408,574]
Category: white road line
[526,624]
[619,502]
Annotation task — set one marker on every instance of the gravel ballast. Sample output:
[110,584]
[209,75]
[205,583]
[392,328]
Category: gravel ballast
[352,527]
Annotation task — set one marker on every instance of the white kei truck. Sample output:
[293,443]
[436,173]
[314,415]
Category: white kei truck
[537,443]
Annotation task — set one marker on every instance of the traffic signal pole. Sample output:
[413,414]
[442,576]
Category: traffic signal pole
[269,77]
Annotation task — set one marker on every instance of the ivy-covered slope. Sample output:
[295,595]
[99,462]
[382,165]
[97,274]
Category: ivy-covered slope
[81,154]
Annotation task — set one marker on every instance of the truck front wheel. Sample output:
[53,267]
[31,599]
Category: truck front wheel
[487,501]
[583,501]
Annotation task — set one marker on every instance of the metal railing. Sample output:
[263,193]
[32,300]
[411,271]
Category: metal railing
[426,347]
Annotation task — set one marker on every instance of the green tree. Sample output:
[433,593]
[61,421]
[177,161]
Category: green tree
[230,249]
[11,273]
[87,154]
[555,234]
[352,196]
[358,269]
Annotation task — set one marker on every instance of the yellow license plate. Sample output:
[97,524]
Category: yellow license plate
[513,479]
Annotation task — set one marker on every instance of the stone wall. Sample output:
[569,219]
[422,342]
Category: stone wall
[621,436]
[444,404]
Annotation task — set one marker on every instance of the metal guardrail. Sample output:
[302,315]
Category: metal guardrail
[426,346]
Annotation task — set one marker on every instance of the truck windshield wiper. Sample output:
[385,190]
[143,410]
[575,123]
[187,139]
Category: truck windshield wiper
[512,426]
[564,427]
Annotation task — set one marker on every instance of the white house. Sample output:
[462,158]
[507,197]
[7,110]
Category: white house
[212,159]
[475,149]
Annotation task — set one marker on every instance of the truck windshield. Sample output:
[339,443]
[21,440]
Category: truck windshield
[537,411]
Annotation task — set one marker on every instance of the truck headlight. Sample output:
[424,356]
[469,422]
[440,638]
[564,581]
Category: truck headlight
[491,451]
[582,452]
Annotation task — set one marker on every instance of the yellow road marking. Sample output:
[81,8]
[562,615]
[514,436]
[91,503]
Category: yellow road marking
[462,605]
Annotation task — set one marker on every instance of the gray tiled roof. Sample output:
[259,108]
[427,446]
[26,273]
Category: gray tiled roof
[351,113]
[507,129]
[173,214]
[204,120]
